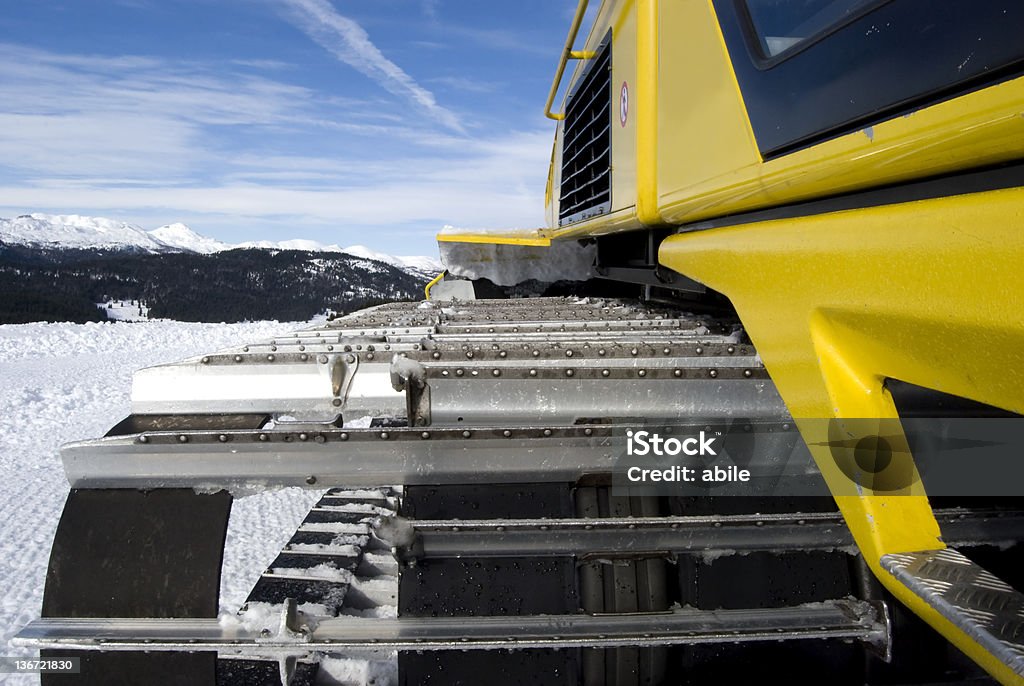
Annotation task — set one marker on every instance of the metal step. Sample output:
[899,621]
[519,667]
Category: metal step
[983,606]
[839,619]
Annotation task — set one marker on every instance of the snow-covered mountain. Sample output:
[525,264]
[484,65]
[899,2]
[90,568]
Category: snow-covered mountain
[80,232]
[426,266]
[76,231]
[178,235]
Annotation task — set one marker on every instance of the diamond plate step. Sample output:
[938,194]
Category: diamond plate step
[981,605]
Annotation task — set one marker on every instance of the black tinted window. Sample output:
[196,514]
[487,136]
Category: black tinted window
[784,24]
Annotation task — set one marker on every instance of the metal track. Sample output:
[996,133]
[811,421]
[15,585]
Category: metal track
[502,420]
[672,534]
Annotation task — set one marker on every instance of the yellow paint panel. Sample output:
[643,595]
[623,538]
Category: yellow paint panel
[703,130]
[926,292]
[506,238]
[624,63]
[978,129]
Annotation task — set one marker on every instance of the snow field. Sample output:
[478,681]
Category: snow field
[67,382]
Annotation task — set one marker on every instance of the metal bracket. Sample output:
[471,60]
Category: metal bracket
[410,376]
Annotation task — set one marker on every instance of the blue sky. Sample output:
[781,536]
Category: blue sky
[344,121]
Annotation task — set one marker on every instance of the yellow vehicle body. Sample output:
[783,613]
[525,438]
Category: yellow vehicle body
[837,300]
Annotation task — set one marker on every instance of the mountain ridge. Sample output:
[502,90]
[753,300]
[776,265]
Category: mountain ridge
[81,232]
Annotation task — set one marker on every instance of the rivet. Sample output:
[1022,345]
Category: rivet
[369,356]
[747,373]
[503,354]
[700,350]
[713,373]
[444,372]
[336,402]
[343,436]
[302,347]
[384,435]
[304,357]
[475,372]
[677,373]
[143,439]
[273,348]
[730,350]
[469,355]
[633,352]
[264,437]
[319,438]
[602,352]
[605,372]
[568,353]
[569,372]
[459,372]
[222,438]
[330,347]
[506,433]
[496,372]
[533,372]
[547,432]
[303,437]
[270,358]
[588,432]
[206,360]
[536,353]
[425,435]
[667,351]
[350,358]
[642,372]
[310,480]
[436,355]
[245,349]
[238,358]
[322,359]
[466,434]
[183,438]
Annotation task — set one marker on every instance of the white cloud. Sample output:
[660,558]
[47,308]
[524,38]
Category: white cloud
[234,153]
[461,83]
[349,42]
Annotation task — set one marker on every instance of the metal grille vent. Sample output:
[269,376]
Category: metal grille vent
[587,142]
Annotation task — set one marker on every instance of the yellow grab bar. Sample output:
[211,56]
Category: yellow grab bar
[567,54]
[433,282]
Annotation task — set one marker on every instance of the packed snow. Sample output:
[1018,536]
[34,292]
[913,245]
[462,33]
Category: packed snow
[66,382]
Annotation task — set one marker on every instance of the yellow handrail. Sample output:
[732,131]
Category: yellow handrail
[567,54]
[433,282]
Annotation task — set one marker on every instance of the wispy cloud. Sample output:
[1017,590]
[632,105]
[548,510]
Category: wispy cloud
[430,8]
[350,43]
[461,83]
[155,140]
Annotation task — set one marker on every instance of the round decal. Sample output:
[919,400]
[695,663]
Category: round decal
[624,104]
